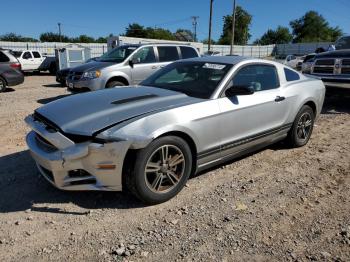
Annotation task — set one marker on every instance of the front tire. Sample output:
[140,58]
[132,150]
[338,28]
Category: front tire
[2,85]
[161,170]
[302,128]
[114,84]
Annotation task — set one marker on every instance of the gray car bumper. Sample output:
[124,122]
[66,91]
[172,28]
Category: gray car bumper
[91,84]
[83,166]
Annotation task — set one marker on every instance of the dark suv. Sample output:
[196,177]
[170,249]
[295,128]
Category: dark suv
[10,70]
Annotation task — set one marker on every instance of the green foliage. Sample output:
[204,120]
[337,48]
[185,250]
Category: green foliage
[12,37]
[206,41]
[242,24]
[279,36]
[313,27]
[53,37]
[137,30]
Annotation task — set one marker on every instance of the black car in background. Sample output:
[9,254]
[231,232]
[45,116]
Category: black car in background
[61,76]
[10,70]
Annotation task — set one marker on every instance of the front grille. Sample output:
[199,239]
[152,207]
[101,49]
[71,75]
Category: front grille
[346,62]
[79,177]
[345,70]
[325,62]
[75,75]
[323,70]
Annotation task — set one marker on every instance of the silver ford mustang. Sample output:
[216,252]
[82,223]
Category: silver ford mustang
[189,116]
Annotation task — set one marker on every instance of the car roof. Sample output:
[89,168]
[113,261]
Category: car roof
[220,59]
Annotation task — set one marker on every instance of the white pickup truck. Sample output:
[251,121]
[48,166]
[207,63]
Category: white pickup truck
[32,60]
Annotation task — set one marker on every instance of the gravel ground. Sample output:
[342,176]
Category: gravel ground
[275,205]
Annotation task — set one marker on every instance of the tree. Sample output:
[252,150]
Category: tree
[53,37]
[184,35]
[313,27]
[135,30]
[243,21]
[83,39]
[279,36]
[12,37]
[159,33]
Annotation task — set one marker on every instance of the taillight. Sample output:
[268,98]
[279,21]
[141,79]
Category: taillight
[16,66]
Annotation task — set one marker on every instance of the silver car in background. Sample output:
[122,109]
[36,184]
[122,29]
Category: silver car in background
[126,65]
[190,115]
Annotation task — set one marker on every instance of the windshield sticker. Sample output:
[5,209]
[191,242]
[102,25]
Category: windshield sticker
[214,66]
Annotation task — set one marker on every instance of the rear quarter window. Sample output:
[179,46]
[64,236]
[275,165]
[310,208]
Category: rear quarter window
[36,55]
[3,58]
[291,75]
[188,52]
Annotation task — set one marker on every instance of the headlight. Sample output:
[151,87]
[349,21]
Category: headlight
[92,74]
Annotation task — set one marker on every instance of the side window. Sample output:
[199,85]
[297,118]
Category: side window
[145,55]
[188,52]
[260,77]
[36,54]
[167,53]
[3,57]
[291,75]
[27,55]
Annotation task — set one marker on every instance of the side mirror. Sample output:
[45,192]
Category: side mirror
[239,91]
[134,61]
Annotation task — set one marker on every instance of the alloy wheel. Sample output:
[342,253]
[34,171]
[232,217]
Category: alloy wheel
[165,168]
[304,126]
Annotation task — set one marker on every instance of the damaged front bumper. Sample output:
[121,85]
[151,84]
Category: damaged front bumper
[76,166]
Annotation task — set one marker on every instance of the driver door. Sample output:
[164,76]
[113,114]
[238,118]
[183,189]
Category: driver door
[144,64]
[248,120]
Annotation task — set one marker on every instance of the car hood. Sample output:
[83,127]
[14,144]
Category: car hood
[93,65]
[89,113]
[333,54]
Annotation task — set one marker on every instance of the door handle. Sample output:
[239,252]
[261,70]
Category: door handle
[279,98]
[154,67]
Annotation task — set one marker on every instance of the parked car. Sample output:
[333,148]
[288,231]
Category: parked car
[126,65]
[32,60]
[307,63]
[212,53]
[333,67]
[293,61]
[10,70]
[190,115]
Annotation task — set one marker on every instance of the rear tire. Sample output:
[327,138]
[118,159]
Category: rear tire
[114,84]
[2,85]
[160,170]
[301,130]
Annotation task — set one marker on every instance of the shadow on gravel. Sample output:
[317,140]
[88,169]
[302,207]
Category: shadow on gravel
[337,101]
[8,90]
[54,85]
[44,101]
[23,188]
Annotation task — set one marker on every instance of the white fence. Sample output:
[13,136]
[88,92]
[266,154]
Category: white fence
[300,49]
[49,48]
[247,50]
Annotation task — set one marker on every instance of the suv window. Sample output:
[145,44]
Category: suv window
[260,77]
[36,54]
[291,75]
[146,55]
[3,57]
[343,43]
[188,52]
[27,55]
[167,53]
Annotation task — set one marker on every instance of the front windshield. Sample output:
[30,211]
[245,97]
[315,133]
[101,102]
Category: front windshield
[196,79]
[118,54]
[343,43]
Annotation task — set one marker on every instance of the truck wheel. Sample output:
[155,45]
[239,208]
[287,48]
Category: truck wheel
[301,130]
[114,84]
[161,170]
[2,84]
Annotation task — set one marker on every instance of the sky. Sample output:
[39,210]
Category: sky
[102,17]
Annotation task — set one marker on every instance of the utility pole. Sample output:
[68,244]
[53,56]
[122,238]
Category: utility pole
[210,18]
[59,31]
[233,27]
[195,23]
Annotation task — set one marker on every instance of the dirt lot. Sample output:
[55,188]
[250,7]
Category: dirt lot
[274,205]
